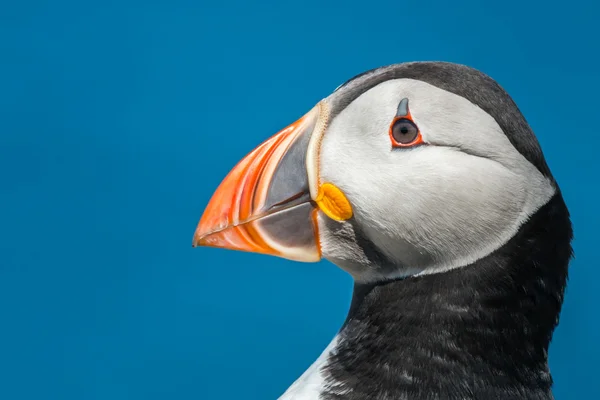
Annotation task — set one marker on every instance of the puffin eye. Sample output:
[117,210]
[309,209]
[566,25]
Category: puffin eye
[404,131]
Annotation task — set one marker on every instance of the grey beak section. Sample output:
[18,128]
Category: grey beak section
[289,184]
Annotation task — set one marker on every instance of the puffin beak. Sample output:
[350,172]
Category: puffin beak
[264,205]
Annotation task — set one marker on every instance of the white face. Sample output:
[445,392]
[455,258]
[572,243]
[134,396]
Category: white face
[437,206]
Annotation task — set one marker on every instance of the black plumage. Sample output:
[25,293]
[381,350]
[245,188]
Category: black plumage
[477,332]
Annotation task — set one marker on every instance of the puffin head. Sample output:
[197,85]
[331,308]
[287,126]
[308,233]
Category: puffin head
[414,168]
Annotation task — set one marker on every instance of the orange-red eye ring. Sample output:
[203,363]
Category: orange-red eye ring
[418,139]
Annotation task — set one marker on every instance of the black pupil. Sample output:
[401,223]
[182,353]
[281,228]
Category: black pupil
[405,131]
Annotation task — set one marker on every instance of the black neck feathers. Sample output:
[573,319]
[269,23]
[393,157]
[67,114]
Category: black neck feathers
[477,332]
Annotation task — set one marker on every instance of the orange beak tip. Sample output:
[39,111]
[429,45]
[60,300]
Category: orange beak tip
[201,240]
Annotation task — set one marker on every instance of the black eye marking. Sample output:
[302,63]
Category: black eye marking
[402,108]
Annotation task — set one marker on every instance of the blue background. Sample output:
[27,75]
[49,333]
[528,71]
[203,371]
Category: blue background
[119,119]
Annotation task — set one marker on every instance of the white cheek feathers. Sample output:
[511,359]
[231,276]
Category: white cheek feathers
[429,208]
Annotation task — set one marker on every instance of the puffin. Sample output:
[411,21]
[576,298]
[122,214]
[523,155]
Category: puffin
[424,182]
